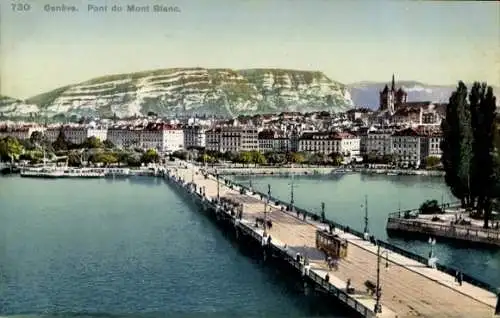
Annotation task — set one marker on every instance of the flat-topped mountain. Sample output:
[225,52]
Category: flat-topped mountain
[191,91]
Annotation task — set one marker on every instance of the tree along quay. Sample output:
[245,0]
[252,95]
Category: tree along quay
[292,230]
[470,148]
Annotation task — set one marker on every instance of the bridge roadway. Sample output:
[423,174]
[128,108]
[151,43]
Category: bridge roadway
[409,289]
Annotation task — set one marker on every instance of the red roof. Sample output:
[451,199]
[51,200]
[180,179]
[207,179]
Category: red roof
[408,132]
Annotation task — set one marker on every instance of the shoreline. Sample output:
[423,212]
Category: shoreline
[324,171]
[270,171]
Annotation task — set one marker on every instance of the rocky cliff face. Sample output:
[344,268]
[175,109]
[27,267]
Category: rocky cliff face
[192,91]
[12,106]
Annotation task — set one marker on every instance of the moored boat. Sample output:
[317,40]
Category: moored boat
[4,167]
[117,172]
[43,172]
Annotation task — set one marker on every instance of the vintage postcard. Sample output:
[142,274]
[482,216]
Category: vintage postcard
[249,158]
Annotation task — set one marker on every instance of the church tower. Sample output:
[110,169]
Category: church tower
[388,97]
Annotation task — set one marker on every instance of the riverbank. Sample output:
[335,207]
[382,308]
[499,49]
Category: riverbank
[405,172]
[283,171]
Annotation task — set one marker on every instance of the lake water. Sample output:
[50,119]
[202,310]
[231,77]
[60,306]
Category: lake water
[134,246]
[131,246]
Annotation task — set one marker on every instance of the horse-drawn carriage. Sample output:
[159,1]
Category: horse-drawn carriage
[331,244]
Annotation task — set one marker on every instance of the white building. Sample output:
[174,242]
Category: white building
[213,139]
[349,144]
[379,142]
[270,141]
[75,134]
[159,136]
[343,143]
[124,136]
[194,136]
[234,139]
[319,142]
[19,132]
[98,132]
[406,147]
[430,144]
[51,133]
[249,138]
[173,138]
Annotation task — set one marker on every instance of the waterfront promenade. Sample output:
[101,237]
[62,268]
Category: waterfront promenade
[446,226]
[318,170]
[409,288]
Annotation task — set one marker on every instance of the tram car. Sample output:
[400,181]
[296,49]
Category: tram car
[331,244]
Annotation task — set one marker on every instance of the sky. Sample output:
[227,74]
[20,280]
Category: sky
[349,40]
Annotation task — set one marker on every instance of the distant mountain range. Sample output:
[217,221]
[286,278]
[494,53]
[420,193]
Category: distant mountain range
[212,91]
[189,91]
[366,94]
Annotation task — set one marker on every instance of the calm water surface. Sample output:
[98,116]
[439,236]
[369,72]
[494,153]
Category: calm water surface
[115,247]
[344,197]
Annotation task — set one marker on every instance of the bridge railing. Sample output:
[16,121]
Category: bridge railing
[340,294]
[444,268]
[413,213]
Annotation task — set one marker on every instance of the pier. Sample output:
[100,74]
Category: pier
[407,286]
[442,225]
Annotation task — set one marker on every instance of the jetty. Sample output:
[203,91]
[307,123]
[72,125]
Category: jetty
[453,224]
[405,286]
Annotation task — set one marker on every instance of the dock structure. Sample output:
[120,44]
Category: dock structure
[444,225]
[407,287]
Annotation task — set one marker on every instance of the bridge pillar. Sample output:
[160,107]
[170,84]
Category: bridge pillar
[307,289]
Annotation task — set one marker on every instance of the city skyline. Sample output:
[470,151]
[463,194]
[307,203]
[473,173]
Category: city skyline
[348,41]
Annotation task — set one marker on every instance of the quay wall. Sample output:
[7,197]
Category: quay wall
[276,171]
[320,171]
[244,231]
[423,260]
[405,172]
[399,225]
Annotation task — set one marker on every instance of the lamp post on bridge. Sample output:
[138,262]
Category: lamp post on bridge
[218,185]
[432,242]
[266,203]
[292,186]
[192,174]
[378,291]
[366,216]
[323,212]
[497,308]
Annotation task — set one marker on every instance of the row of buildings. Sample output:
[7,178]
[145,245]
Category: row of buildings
[409,146]
[409,132]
